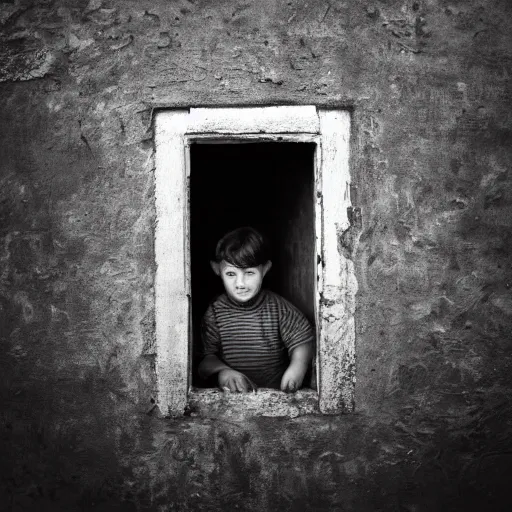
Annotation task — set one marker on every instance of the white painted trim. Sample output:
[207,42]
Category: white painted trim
[336,287]
[286,119]
[237,138]
[339,287]
[171,283]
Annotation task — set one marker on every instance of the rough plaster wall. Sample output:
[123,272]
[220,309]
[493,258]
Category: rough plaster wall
[429,85]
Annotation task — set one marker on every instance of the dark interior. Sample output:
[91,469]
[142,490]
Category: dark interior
[269,186]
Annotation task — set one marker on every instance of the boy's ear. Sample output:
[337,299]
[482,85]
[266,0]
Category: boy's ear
[215,267]
[267,267]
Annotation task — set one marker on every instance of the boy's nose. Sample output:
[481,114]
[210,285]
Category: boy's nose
[240,282]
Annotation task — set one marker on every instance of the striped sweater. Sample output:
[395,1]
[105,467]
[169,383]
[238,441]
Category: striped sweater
[255,337]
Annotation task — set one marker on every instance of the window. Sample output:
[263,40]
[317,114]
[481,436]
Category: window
[267,185]
[300,156]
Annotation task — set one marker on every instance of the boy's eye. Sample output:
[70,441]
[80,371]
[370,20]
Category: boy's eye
[230,274]
[250,272]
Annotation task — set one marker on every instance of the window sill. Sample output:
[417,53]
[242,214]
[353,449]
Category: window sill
[265,402]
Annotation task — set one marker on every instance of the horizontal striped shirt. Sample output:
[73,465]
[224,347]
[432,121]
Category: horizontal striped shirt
[255,337]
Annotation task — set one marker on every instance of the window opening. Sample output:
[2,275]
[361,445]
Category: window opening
[269,186]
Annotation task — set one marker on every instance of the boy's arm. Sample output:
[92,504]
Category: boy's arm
[209,365]
[298,337]
[300,358]
[228,378]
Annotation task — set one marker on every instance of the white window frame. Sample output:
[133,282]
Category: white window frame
[336,286]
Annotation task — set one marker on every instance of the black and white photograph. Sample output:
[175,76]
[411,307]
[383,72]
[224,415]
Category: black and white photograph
[255,255]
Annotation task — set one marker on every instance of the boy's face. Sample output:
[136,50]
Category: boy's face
[241,284]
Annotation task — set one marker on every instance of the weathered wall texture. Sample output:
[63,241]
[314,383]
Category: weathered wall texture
[429,85]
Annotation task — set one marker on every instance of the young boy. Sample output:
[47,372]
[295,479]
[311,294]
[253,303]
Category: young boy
[252,337]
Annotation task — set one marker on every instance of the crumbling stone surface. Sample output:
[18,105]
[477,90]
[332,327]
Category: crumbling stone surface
[267,403]
[429,89]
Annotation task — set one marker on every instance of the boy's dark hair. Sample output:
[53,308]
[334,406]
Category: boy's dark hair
[243,247]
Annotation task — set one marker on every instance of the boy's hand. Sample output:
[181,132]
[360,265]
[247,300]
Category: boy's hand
[231,380]
[293,377]
[294,374]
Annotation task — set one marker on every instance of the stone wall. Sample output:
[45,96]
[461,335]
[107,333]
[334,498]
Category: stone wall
[428,84]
